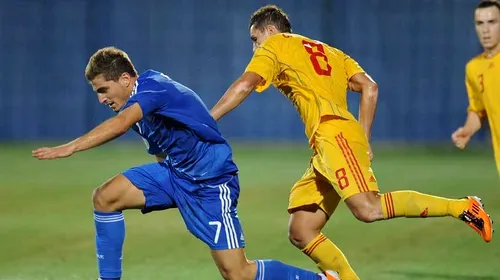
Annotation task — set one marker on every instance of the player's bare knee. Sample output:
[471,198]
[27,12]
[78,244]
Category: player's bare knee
[236,273]
[225,273]
[232,275]
[301,236]
[102,200]
[297,238]
[98,199]
[305,224]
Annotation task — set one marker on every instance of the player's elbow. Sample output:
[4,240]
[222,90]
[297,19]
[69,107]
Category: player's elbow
[243,89]
[370,93]
[371,90]
[237,94]
[247,83]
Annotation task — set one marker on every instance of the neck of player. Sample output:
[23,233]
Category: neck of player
[491,52]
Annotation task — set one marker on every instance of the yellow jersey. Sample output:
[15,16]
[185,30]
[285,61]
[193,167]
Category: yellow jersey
[483,88]
[313,75]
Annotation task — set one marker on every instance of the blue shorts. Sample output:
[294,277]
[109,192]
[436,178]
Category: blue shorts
[208,208]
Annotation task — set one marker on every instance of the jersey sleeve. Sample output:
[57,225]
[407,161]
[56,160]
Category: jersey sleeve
[265,63]
[352,67]
[474,92]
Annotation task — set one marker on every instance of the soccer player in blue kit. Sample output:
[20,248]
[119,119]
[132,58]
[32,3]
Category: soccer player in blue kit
[194,171]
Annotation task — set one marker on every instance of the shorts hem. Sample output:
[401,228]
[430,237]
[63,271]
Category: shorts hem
[221,248]
[293,209]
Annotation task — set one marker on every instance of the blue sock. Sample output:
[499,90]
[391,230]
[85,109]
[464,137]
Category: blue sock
[276,270]
[110,235]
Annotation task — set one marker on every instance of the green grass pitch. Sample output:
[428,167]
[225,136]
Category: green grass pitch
[47,231]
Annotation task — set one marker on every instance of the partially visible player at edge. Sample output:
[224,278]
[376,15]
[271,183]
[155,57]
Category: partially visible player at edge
[316,77]
[194,171]
[483,80]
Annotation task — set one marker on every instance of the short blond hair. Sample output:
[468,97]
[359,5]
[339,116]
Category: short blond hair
[111,62]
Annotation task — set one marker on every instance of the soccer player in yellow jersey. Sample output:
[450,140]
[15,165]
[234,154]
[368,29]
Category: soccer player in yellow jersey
[483,80]
[316,77]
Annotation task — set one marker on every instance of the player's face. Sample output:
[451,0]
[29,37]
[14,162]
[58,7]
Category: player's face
[258,36]
[114,94]
[488,27]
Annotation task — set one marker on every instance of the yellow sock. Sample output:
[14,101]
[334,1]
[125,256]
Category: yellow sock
[415,204]
[329,257]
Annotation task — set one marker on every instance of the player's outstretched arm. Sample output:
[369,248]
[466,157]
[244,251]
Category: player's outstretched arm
[365,85]
[462,135]
[106,131]
[236,93]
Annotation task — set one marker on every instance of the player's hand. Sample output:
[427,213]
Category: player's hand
[461,137]
[54,152]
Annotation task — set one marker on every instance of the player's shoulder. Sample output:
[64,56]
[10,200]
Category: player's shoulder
[151,75]
[474,62]
[305,39]
[281,39]
[286,42]
[153,80]
[290,37]
[273,42]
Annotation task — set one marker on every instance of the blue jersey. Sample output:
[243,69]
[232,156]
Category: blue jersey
[177,122]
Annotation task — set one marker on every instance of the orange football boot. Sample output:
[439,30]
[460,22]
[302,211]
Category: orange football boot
[477,218]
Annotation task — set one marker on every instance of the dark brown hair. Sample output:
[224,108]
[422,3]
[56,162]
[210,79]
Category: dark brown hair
[270,15]
[487,4]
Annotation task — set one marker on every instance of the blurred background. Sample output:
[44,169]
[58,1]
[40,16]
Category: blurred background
[415,49]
